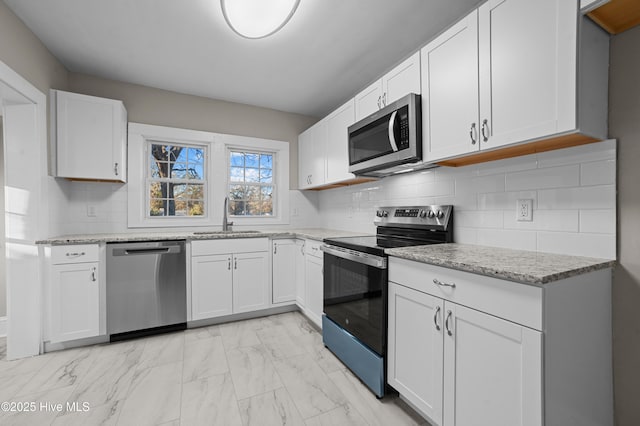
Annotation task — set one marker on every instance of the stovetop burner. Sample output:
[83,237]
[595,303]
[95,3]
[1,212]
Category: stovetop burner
[403,227]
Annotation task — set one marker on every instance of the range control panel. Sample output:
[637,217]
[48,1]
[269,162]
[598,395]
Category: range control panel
[437,217]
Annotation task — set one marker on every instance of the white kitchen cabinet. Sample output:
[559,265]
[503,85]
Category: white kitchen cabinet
[74,294]
[212,286]
[229,277]
[314,284]
[337,150]
[312,156]
[89,137]
[524,91]
[400,81]
[479,350]
[450,93]
[300,274]
[287,258]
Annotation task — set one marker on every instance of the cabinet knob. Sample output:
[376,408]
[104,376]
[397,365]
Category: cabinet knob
[473,134]
[485,128]
[446,323]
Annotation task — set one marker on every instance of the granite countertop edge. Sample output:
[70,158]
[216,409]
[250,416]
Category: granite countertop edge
[317,234]
[509,264]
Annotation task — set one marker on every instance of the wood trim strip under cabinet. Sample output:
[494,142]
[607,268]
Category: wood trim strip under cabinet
[617,16]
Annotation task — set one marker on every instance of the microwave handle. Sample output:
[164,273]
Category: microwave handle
[392,138]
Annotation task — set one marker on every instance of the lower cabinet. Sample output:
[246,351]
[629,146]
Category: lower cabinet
[287,270]
[229,277]
[466,349]
[313,281]
[74,293]
[489,368]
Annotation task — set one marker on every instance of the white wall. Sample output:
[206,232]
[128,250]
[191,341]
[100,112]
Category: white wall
[3,283]
[573,192]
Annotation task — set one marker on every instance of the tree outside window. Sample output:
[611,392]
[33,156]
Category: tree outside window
[176,180]
[251,183]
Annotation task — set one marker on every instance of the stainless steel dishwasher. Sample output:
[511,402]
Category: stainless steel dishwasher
[146,288]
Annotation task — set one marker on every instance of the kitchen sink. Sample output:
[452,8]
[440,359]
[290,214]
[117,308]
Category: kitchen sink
[224,232]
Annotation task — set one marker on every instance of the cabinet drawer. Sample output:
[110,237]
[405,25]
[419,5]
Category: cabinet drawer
[74,254]
[312,248]
[512,301]
[231,245]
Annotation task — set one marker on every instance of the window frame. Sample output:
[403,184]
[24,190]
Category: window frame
[273,184]
[149,180]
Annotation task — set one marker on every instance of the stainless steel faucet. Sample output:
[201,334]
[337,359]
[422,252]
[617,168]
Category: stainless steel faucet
[226,226]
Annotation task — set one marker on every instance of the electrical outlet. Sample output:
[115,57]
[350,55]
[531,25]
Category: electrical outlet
[524,210]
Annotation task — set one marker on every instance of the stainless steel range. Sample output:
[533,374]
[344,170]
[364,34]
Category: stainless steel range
[354,324]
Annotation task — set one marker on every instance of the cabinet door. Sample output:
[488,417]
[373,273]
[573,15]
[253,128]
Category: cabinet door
[250,282]
[493,370]
[450,92]
[305,158]
[211,286]
[300,274]
[314,289]
[523,68]
[312,156]
[337,150]
[284,271]
[414,355]
[402,80]
[369,100]
[75,301]
[90,137]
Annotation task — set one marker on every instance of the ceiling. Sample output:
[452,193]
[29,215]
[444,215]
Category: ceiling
[329,50]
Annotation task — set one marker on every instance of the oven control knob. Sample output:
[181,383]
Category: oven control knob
[431,214]
[423,214]
[440,214]
[385,213]
[378,213]
[382,213]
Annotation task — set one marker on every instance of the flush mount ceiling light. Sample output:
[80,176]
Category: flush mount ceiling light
[257,18]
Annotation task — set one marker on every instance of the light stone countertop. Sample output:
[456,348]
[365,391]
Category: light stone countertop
[526,267]
[311,233]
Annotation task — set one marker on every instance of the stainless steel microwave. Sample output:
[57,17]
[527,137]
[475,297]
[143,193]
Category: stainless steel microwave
[387,138]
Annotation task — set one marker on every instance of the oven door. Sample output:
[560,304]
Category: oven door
[355,294]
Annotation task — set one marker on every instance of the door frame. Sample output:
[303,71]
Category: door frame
[24,111]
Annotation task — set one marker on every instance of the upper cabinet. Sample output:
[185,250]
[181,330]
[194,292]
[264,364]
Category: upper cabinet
[400,81]
[89,137]
[542,76]
[311,156]
[337,155]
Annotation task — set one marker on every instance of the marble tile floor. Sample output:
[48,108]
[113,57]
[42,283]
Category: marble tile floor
[265,371]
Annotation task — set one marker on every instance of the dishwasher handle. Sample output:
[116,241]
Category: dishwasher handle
[146,250]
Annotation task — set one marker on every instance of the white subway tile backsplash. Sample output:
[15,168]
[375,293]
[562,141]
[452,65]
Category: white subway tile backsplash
[545,220]
[553,177]
[479,219]
[480,184]
[598,173]
[588,197]
[519,240]
[578,244]
[518,164]
[598,221]
[505,200]
[464,235]
[580,154]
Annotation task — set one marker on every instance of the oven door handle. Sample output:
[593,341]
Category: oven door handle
[356,256]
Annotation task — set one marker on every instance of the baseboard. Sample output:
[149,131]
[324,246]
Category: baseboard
[3,326]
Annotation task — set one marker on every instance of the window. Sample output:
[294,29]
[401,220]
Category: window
[251,183]
[176,180]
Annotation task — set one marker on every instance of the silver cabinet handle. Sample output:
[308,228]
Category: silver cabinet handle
[229,264]
[302,249]
[75,254]
[485,126]
[379,102]
[384,99]
[446,323]
[442,284]
[93,274]
[235,263]
[473,133]
[435,318]
[115,169]
[275,248]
